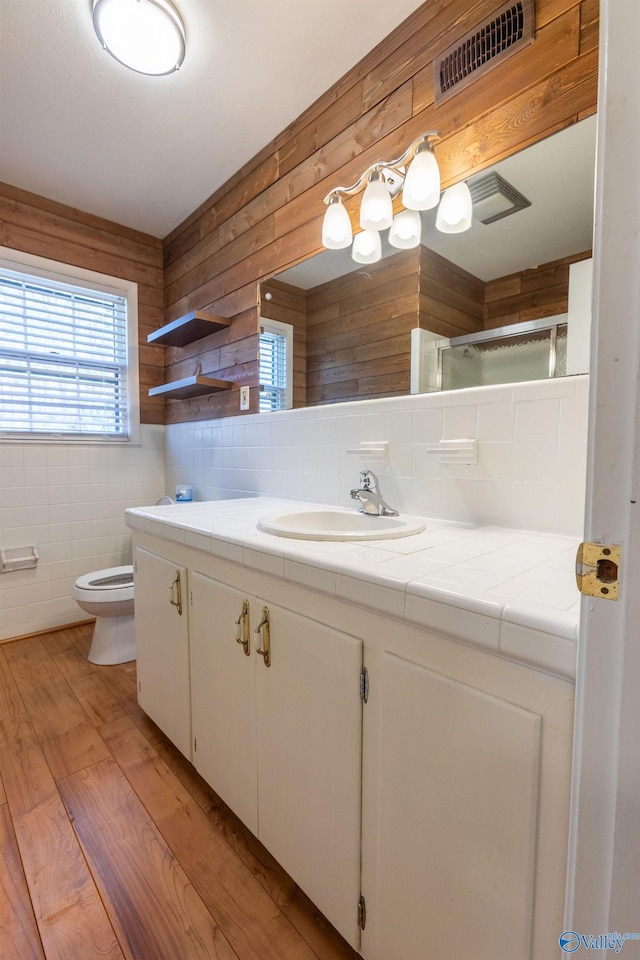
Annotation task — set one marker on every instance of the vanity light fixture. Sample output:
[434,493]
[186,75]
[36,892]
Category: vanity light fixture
[376,209]
[145,35]
[406,230]
[336,226]
[421,189]
[381,182]
[455,210]
[367,247]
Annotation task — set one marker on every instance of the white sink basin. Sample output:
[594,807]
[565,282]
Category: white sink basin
[335,524]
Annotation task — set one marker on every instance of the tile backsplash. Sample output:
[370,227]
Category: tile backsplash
[531,454]
[69,501]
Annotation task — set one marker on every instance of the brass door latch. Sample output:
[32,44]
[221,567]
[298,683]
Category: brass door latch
[598,570]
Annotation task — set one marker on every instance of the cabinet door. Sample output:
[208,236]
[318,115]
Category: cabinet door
[458,788]
[223,697]
[309,761]
[162,641]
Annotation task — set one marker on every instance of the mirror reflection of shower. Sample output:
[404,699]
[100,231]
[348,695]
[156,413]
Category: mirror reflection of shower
[508,358]
[555,346]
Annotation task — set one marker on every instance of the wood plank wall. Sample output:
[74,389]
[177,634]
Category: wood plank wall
[451,299]
[269,215]
[357,328]
[41,227]
[529,295]
[359,331]
[288,304]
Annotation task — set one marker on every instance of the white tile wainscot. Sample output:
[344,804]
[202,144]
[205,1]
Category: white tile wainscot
[468,635]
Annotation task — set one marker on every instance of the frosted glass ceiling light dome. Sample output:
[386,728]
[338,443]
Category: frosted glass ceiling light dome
[336,226]
[145,35]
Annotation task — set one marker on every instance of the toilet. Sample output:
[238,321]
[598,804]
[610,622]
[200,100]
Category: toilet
[108,596]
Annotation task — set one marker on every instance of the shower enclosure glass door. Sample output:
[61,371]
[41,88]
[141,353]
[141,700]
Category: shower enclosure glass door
[532,351]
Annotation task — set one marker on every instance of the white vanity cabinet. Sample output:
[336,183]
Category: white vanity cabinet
[458,794]
[223,696]
[466,779]
[441,804]
[162,645]
[281,744]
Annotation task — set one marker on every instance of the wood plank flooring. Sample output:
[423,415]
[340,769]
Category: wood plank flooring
[111,845]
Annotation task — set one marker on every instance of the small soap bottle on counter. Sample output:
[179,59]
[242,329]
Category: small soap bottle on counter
[184,494]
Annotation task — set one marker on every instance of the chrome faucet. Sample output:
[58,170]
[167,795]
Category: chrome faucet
[371,500]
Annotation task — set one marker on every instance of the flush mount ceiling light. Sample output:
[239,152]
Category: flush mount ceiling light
[145,35]
[381,182]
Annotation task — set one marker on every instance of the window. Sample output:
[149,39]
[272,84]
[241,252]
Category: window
[276,365]
[68,353]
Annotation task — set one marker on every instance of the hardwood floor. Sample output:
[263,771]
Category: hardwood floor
[112,846]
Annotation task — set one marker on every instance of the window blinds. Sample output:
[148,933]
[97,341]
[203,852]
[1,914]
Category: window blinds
[273,371]
[63,359]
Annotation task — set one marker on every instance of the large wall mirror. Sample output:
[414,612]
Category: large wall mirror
[353,324]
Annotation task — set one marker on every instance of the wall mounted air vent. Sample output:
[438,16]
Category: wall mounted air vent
[509,29]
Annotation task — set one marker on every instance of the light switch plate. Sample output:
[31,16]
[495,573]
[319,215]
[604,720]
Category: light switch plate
[244,398]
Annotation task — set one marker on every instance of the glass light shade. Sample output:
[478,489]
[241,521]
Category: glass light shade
[336,226]
[421,189]
[145,35]
[405,230]
[376,209]
[455,210]
[367,247]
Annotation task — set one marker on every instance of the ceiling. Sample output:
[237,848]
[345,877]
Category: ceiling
[79,128]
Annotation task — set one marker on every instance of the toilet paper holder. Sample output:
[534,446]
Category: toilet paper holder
[18,558]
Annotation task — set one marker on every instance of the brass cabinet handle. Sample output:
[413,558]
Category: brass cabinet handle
[175,594]
[242,623]
[263,628]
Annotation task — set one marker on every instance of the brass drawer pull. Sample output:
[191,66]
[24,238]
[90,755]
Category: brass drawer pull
[263,627]
[242,628]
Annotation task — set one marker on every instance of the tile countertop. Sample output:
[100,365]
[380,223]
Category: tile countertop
[512,592]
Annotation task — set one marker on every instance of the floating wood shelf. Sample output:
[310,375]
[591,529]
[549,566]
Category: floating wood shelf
[194,386]
[193,326]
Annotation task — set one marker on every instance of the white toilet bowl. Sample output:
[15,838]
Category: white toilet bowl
[108,596]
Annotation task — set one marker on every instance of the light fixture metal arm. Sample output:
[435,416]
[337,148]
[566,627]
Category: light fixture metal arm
[382,164]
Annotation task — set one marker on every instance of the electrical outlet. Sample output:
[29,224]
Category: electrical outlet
[244,398]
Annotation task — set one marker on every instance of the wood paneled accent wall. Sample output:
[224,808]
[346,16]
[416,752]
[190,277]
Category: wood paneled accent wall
[359,332]
[358,343]
[353,335]
[269,215]
[451,299]
[529,295]
[41,227]
[288,304]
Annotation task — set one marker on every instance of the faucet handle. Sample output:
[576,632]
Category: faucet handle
[368,480]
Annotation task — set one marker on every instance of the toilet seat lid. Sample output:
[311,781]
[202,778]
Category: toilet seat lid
[113,578]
